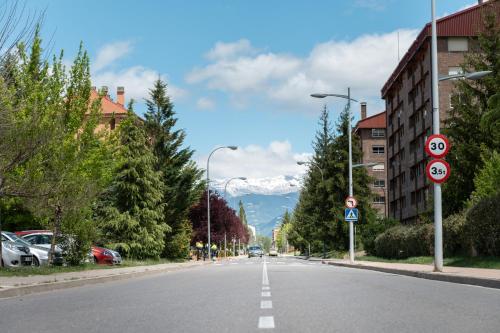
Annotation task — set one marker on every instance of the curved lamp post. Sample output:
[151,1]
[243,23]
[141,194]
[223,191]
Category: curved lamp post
[225,192]
[208,195]
[349,99]
[438,214]
[313,164]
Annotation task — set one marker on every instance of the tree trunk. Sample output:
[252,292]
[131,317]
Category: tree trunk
[55,232]
[1,260]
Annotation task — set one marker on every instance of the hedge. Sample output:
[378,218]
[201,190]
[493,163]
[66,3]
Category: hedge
[405,241]
[482,226]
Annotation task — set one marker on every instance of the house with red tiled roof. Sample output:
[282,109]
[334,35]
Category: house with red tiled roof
[372,133]
[408,104]
[113,112]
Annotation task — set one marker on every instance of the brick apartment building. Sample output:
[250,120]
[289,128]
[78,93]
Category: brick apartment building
[408,99]
[372,133]
[112,112]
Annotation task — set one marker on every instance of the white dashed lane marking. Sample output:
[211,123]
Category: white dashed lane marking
[266,322]
[266,304]
[266,294]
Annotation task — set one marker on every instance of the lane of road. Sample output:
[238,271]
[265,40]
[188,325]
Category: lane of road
[251,295]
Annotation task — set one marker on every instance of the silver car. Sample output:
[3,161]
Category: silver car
[15,254]
[40,254]
[44,240]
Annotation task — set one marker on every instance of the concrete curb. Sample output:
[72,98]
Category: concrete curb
[50,286]
[483,282]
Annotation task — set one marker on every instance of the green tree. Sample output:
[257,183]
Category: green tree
[487,181]
[130,213]
[242,214]
[181,178]
[471,126]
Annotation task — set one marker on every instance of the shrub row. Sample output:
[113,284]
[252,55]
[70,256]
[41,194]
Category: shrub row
[472,232]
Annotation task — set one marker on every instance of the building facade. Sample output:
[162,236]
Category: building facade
[408,100]
[372,133]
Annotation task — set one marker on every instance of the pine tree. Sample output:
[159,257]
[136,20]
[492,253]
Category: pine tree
[473,121]
[130,214]
[242,214]
[180,176]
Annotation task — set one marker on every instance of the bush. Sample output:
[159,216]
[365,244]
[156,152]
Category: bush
[455,241]
[76,241]
[401,242]
[482,226]
[370,231]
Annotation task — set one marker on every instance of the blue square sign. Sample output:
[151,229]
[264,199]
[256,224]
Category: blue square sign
[351,214]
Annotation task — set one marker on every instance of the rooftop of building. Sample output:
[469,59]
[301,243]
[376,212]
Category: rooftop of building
[375,121]
[464,23]
[108,106]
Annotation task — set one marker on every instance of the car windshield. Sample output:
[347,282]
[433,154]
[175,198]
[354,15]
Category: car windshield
[17,240]
[254,248]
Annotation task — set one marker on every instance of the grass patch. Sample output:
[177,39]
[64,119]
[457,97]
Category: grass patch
[329,254]
[46,270]
[472,262]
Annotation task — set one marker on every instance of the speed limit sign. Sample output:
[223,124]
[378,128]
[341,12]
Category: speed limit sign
[437,145]
[438,171]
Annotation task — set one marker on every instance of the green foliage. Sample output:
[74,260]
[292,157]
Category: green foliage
[265,242]
[405,241]
[242,214]
[318,217]
[130,213]
[370,231]
[181,178]
[482,226]
[454,239]
[471,126]
[178,244]
[487,181]
[15,216]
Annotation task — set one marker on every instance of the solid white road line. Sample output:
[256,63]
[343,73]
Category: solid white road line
[266,322]
[266,304]
[266,294]
[265,279]
[266,288]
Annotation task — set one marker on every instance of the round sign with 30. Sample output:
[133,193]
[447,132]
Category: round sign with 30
[437,145]
[438,171]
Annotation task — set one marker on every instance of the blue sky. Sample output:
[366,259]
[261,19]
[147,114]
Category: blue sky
[240,72]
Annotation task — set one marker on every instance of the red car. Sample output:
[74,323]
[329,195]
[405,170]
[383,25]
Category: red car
[105,256]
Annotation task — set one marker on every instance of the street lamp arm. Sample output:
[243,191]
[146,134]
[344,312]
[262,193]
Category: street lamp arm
[470,76]
[225,186]
[313,164]
[334,95]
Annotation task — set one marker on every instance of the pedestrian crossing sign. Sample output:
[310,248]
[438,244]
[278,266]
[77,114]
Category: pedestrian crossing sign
[351,214]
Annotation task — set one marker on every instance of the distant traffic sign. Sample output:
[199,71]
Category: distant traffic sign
[351,202]
[437,145]
[351,214]
[438,171]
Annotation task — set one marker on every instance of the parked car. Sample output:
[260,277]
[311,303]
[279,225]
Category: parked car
[43,238]
[273,253]
[15,254]
[106,256]
[97,254]
[40,254]
[255,251]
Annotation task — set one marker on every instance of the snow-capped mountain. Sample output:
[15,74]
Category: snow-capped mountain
[265,186]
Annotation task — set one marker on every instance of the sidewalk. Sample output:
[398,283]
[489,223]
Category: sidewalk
[474,276]
[11,286]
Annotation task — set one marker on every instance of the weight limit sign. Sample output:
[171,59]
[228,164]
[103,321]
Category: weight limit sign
[438,171]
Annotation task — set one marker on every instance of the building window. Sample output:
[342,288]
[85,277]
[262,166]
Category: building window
[378,133]
[378,167]
[379,183]
[379,199]
[112,123]
[455,70]
[458,44]
[378,150]
[403,177]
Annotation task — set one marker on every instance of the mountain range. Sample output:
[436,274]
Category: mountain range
[265,199]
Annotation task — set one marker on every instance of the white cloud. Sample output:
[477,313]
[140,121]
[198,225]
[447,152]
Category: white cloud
[137,79]
[110,53]
[205,103]
[223,50]
[364,64]
[254,161]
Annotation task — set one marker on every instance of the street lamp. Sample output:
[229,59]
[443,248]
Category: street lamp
[225,192]
[438,214]
[208,194]
[313,164]
[349,99]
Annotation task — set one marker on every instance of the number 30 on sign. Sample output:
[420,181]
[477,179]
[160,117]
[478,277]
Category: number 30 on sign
[438,171]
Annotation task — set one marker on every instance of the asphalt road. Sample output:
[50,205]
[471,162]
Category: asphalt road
[251,295]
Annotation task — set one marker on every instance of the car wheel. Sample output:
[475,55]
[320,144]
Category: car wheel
[36,262]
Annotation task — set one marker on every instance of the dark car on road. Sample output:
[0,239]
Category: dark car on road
[255,251]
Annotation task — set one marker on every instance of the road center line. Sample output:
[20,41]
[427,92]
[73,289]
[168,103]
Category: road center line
[266,294]
[266,322]
[265,279]
[266,288]
[266,304]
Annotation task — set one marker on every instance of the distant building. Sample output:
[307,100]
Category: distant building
[276,231]
[253,233]
[372,133]
[408,99]
[112,112]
